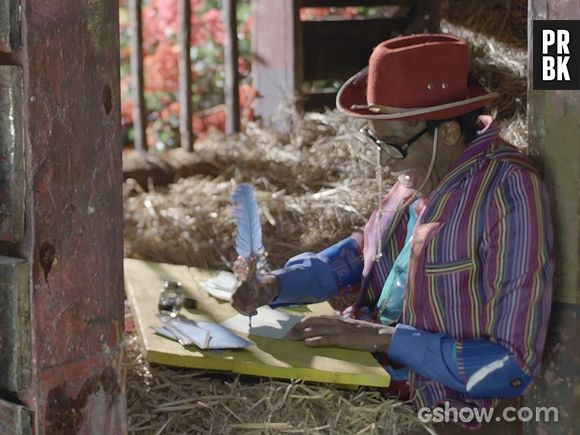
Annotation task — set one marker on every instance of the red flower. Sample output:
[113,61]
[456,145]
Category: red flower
[313,13]
[244,66]
[162,68]
[213,25]
[127,112]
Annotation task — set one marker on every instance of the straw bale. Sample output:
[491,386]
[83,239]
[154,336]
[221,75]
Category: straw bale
[313,187]
[166,167]
[502,68]
[496,32]
[504,20]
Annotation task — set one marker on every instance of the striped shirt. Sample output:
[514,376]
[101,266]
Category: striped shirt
[479,285]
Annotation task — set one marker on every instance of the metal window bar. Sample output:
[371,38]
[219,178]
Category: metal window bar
[185,111]
[139,108]
[232,97]
[232,94]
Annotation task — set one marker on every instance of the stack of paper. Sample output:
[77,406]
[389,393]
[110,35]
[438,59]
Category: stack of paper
[221,286]
[205,335]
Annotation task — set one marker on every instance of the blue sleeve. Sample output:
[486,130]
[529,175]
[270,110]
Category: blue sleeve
[478,368]
[309,277]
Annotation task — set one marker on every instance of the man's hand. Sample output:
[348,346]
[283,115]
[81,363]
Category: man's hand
[324,331]
[253,289]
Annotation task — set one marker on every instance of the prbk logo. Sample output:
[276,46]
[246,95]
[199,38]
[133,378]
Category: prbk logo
[556,54]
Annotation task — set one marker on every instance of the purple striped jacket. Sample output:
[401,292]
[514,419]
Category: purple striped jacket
[481,261]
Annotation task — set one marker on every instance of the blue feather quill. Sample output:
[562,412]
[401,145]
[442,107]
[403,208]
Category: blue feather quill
[249,237]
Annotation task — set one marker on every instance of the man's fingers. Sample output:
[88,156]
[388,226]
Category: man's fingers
[314,321]
[239,305]
[240,264]
[245,310]
[242,301]
[323,341]
[341,340]
[319,326]
[240,270]
[324,325]
[314,331]
[297,332]
[317,341]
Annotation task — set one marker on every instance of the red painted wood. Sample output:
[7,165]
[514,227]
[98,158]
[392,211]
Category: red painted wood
[73,233]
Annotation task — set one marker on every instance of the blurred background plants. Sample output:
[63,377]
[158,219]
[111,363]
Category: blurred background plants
[160,62]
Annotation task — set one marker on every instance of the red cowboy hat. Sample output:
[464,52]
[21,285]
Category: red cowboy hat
[414,78]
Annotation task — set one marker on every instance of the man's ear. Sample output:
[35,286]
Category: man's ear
[449,133]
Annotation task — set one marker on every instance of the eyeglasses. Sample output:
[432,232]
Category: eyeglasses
[394,150]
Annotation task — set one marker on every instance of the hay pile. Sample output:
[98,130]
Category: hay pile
[505,21]
[496,32]
[503,69]
[314,187]
[173,401]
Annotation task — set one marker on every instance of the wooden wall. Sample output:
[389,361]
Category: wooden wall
[554,125]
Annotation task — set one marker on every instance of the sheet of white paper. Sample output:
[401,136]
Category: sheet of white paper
[225,280]
[217,292]
[223,338]
[221,286]
[219,337]
[268,323]
[186,331]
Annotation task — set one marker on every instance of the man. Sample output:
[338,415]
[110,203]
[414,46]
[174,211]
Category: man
[455,266]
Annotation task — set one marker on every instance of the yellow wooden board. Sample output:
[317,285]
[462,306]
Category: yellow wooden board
[268,357]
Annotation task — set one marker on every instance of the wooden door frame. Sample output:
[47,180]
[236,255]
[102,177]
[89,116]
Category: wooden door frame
[73,223]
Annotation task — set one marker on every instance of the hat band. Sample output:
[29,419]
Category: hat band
[378,108]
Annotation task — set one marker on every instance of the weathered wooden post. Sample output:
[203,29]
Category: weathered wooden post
[553,129]
[61,276]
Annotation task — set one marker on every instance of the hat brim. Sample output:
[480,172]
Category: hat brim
[352,99]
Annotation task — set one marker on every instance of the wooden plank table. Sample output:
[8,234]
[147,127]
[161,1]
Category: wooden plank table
[268,357]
